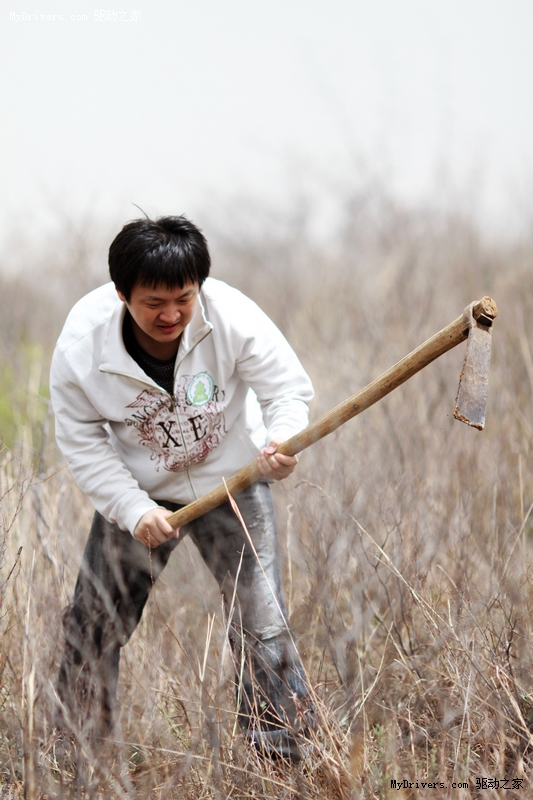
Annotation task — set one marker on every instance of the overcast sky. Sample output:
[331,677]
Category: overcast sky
[179,104]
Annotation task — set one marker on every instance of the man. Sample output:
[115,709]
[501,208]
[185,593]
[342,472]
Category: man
[163,382]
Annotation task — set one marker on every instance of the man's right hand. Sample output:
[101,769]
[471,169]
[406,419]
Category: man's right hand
[153,528]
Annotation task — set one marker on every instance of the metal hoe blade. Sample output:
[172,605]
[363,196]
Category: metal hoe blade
[471,400]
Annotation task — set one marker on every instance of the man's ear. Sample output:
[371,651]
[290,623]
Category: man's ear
[121,296]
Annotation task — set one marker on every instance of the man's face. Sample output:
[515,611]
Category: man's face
[160,313]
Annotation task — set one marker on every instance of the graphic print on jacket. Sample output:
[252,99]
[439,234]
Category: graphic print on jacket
[201,427]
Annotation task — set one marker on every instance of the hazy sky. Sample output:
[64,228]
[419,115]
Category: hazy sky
[179,104]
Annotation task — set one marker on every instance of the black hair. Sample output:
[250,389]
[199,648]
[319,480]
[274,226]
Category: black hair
[169,250]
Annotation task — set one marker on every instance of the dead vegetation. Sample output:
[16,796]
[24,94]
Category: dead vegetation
[406,537]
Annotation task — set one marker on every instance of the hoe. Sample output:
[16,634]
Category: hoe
[475,324]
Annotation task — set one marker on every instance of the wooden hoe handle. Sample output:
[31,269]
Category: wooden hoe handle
[440,343]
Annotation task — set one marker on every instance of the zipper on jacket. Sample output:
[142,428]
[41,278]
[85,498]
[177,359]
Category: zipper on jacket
[178,365]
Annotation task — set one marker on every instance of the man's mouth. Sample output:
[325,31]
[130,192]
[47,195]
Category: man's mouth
[168,328]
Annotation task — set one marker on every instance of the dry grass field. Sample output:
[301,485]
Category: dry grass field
[406,538]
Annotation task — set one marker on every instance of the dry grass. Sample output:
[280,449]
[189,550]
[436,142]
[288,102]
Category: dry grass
[406,537]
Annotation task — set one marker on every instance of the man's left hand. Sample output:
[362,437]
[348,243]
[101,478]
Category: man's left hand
[275,465]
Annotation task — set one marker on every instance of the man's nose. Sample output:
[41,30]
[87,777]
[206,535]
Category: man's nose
[170,315]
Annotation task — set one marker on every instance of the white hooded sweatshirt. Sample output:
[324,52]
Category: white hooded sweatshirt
[237,385]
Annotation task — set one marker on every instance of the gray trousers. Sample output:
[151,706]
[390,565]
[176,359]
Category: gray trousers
[115,579]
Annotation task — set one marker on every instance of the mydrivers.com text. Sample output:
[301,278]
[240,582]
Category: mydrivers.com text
[420,784]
